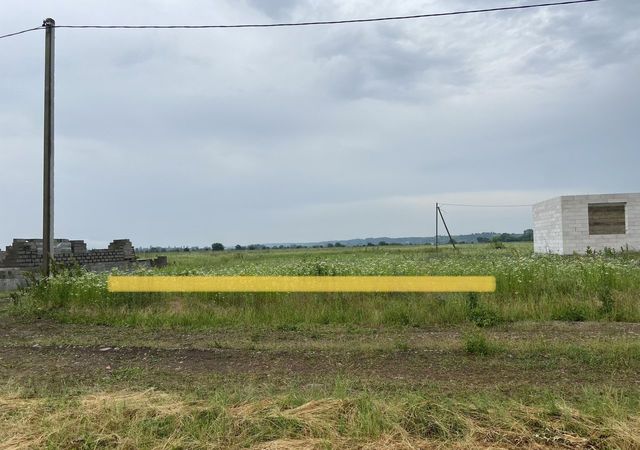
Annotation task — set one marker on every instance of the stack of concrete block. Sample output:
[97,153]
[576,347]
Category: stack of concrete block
[124,247]
[78,247]
[27,253]
[22,253]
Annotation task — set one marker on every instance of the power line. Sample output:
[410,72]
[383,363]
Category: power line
[299,24]
[21,32]
[486,206]
[332,22]
[314,23]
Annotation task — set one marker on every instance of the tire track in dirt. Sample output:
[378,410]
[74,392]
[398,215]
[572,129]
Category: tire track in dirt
[414,366]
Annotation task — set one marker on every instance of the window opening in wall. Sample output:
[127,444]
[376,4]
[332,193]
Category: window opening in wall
[607,218]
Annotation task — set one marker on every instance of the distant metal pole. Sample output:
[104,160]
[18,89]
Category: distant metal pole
[437,227]
[47,212]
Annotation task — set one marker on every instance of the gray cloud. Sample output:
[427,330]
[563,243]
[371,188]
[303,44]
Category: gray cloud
[275,9]
[244,136]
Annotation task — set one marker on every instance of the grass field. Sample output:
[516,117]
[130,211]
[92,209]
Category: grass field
[551,360]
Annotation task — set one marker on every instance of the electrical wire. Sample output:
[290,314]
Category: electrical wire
[21,32]
[485,206]
[314,23]
[333,22]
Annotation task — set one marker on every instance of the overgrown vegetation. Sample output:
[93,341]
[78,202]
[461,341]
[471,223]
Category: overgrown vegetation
[530,287]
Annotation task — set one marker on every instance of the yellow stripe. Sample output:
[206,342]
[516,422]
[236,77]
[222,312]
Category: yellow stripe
[301,284]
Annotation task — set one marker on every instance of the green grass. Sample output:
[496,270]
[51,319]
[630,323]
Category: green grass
[477,343]
[529,287]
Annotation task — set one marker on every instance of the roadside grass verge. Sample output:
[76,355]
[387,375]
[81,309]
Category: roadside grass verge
[339,417]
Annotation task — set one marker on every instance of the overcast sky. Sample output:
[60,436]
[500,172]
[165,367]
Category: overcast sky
[175,137]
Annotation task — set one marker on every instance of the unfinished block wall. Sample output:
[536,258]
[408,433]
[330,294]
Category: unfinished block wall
[27,253]
[562,224]
[547,226]
[575,224]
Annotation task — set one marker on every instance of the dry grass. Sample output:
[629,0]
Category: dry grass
[152,419]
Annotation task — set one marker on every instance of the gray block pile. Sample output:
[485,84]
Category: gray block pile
[27,253]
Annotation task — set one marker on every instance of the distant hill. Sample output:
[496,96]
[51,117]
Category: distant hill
[363,242]
[416,240]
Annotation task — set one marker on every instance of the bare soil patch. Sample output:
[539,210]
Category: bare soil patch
[46,349]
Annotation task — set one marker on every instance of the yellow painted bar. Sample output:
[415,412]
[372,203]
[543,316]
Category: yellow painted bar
[301,284]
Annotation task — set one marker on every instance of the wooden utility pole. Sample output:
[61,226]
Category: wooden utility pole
[47,212]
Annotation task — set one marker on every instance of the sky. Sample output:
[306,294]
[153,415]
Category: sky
[188,137]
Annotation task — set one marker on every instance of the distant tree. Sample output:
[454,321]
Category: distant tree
[527,235]
[370,244]
[330,245]
[497,242]
[338,244]
[217,247]
[382,243]
[240,247]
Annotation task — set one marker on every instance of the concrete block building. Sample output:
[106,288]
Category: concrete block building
[571,224]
